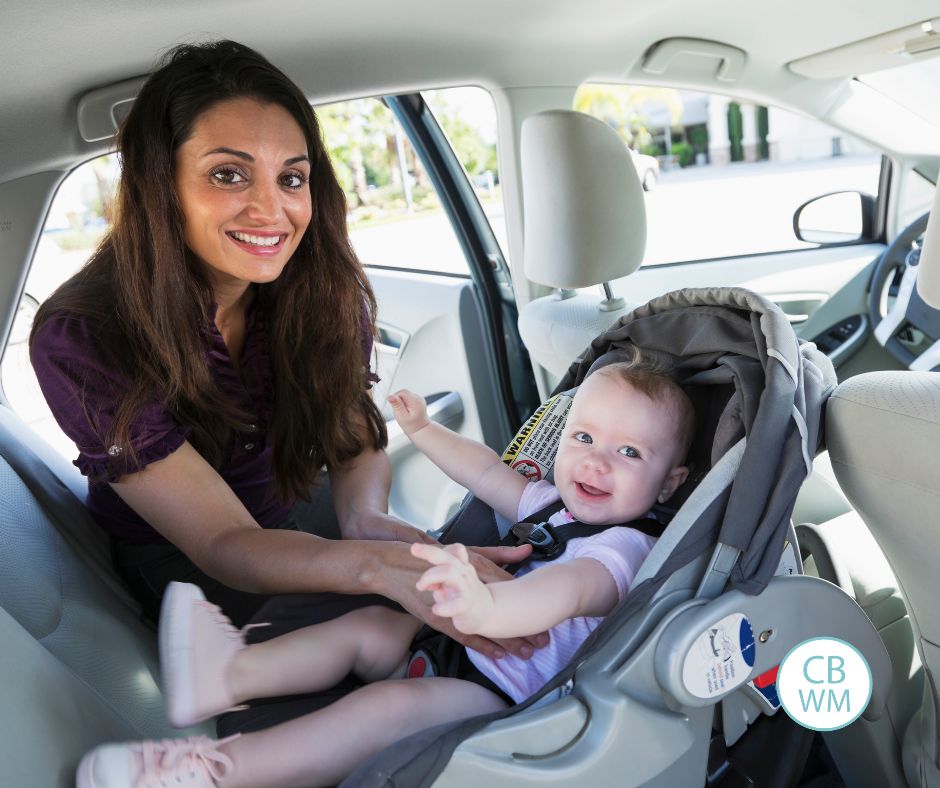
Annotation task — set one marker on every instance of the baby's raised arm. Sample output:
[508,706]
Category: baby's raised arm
[514,608]
[467,462]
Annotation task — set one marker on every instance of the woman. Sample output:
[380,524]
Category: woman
[212,356]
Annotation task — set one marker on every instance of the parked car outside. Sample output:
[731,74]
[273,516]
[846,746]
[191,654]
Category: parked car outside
[647,168]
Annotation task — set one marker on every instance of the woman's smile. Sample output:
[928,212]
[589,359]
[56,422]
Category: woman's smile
[259,243]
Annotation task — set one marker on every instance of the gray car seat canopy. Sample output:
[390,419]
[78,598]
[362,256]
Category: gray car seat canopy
[735,336]
[759,393]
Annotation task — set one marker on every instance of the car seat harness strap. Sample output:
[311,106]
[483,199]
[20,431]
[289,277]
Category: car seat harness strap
[549,541]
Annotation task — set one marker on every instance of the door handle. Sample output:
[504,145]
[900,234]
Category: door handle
[798,307]
[389,340]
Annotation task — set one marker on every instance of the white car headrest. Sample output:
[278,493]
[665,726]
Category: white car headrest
[928,277]
[585,217]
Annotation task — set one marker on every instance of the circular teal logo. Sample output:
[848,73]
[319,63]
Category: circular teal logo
[824,683]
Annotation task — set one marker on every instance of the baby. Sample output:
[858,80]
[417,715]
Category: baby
[623,448]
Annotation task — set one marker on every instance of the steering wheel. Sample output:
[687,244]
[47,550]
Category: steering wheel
[908,309]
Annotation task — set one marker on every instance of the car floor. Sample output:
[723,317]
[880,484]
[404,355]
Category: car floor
[820,771]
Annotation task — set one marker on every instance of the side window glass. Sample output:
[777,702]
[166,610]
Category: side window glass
[395,216]
[724,178]
[468,117]
[79,217]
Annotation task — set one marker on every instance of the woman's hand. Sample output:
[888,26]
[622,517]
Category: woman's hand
[397,573]
[360,495]
[384,527]
[410,410]
[487,562]
[457,590]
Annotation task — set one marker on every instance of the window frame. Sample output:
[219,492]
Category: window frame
[488,268]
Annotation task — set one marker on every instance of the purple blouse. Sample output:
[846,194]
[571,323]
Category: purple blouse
[83,391]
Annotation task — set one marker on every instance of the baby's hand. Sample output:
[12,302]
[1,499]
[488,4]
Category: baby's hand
[458,592]
[409,410]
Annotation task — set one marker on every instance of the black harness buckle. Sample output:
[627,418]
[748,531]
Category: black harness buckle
[545,542]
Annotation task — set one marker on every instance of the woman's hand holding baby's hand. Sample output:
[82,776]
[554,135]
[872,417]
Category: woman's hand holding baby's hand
[458,593]
[409,410]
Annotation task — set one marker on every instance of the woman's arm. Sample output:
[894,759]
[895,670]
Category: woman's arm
[360,496]
[360,493]
[467,462]
[188,503]
[360,489]
[532,603]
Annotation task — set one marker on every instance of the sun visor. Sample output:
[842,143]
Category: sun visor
[887,50]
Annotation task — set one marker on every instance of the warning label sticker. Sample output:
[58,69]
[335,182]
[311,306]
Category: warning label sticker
[532,451]
[721,657]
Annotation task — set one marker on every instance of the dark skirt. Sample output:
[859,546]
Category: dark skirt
[148,569]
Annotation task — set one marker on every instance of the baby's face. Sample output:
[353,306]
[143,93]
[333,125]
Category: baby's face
[618,453]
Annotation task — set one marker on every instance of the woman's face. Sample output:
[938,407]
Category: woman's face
[242,182]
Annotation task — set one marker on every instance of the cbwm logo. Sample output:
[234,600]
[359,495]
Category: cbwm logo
[824,684]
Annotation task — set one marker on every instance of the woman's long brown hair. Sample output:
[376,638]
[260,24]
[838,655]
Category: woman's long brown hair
[151,299]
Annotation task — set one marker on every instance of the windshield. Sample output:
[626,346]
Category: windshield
[915,87]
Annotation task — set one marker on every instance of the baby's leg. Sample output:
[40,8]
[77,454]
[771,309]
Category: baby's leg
[323,747]
[207,668]
[371,642]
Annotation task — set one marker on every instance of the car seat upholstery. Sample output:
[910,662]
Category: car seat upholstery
[585,224]
[883,430]
[78,665]
[843,551]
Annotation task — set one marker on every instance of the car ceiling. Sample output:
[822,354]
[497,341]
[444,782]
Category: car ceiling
[53,52]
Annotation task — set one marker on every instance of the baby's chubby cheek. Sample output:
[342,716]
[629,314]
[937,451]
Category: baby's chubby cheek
[562,468]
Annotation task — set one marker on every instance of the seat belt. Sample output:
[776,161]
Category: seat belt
[550,541]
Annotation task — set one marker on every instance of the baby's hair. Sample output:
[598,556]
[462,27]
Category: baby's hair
[651,374]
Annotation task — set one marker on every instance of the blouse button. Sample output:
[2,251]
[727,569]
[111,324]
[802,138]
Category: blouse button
[249,446]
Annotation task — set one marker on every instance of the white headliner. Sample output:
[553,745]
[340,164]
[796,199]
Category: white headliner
[55,51]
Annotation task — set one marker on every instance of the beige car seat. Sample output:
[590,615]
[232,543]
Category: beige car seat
[883,432]
[585,225]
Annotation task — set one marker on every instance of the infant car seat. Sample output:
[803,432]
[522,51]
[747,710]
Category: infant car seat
[631,708]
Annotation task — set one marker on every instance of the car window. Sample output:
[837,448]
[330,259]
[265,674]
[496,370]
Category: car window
[395,215]
[724,178]
[77,220]
[467,116]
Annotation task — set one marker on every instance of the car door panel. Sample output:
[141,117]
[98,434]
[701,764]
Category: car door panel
[429,342]
[821,271]
[817,288]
